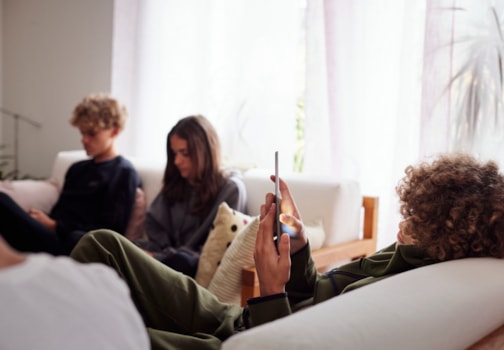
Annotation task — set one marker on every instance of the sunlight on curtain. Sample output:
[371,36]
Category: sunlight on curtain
[236,62]
[317,147]
[373,57]
[438,68]
[478,50]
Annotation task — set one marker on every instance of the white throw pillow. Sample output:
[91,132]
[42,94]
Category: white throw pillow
[38,194]
[226,283]
[226,225]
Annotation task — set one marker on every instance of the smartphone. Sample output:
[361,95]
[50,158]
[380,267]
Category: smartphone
[277,229]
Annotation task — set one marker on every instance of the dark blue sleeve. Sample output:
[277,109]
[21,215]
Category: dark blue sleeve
[63,228]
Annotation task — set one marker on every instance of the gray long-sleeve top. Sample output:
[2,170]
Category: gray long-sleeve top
[171,228]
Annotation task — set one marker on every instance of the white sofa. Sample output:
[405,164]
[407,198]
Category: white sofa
[336,205]
[445,306]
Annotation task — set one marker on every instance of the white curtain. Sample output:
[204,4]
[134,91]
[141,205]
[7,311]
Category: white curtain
[367,112]
[236,62]
[376,72]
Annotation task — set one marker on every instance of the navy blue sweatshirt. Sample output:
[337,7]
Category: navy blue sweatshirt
[96,195]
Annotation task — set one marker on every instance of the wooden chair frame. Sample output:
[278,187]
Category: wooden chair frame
[329,256]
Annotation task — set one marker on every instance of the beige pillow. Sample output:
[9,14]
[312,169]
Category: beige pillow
[38,194]
[226,225]
[226,283]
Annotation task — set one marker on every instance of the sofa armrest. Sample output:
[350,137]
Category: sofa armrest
[449,305]
[328,256]
[39,194]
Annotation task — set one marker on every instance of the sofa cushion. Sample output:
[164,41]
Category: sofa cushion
[337,203]
[315,233]
[226,225]
[38,194]
[226,283]
[151,174]
[61,164]
[447,306]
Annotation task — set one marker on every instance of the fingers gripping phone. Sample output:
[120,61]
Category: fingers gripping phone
[277,229]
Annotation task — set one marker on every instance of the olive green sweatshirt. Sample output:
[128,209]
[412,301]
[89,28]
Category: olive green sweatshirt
[307,287]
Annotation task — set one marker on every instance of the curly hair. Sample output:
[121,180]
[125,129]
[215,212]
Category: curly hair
[454,207]
[99,111]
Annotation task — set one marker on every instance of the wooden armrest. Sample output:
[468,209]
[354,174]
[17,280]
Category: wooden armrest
[330,255]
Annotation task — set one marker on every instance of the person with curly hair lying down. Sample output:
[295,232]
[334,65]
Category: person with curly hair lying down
[452,208]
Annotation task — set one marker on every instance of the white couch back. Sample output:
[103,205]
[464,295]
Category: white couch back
[336,204]
[446,306]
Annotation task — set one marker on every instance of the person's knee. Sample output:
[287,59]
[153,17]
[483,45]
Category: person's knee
[90,243]
[96,236]
[101,235]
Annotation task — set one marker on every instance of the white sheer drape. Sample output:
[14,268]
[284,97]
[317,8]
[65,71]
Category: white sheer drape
[236,62]
[376,71]
[373,62]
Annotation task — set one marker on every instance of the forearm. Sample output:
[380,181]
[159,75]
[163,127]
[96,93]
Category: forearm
[51,224]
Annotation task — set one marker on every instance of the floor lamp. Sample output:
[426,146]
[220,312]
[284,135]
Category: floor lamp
[17,117]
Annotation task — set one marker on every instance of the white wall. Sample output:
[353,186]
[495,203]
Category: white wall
[54,52]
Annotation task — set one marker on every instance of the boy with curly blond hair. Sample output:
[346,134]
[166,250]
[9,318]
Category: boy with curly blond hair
[98,192]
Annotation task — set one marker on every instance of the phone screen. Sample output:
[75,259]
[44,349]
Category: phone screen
[278,227]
